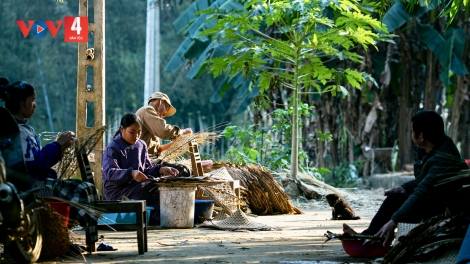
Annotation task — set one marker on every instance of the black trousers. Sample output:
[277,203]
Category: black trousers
[391,204]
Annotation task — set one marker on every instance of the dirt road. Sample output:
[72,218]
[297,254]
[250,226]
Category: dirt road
[298,240]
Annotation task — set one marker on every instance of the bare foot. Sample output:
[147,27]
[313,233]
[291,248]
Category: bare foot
[348,230]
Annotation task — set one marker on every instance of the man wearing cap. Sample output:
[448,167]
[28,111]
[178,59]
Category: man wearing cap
[154,126]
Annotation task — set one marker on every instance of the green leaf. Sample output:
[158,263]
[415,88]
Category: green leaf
[397,15]
[209,52]
[354,78]
[178,57]
[189,15]
[202,24]
[448,51]
[217,95]
[253,153]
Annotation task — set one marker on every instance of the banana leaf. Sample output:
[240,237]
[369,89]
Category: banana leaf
[233,82]
[186,19]
[201,24]
[448,51]
[248,99]
[397,15]
[189,49]
[211,51]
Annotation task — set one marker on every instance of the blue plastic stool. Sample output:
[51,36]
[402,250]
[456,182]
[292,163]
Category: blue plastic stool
[464,253]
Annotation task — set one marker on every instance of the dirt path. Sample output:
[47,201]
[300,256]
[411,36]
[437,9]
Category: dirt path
[299,240]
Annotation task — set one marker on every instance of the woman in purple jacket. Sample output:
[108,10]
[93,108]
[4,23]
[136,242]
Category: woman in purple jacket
[126,167]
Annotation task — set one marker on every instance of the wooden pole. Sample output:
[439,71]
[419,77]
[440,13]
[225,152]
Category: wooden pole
[96,95]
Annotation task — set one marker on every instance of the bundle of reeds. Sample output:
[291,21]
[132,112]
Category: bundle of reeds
[179,145]
[55,234]
[68,165]
[264,195]
[438,239]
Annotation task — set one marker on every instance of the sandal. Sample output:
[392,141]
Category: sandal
[104,247]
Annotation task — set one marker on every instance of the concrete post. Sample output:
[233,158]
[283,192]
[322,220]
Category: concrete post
[96,94]
[152,50]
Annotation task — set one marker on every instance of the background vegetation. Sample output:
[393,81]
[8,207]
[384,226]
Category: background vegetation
[425,67]
[52,63]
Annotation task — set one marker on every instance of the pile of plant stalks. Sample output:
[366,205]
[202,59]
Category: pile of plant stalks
[262,193]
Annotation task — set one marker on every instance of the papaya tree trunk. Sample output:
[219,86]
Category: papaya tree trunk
[294,160]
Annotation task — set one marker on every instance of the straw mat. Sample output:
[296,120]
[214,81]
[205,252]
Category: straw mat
[239,221]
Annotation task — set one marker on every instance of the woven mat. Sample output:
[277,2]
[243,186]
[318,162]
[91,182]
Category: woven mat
[402,230]
[223,196]
[220,174]
[238,221]
[449,256]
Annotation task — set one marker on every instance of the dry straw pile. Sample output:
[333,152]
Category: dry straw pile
[263,194]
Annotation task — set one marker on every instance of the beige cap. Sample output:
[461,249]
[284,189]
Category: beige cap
[164,97]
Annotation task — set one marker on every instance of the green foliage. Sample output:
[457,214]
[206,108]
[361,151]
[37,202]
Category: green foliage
[306,38]
[345,175]
[282,44]
[125,65]
[269,146]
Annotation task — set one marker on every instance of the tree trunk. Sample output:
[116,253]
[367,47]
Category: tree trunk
[294,160]
[404,132]
[430,88]
[461,89]
[464,132]
[457,100]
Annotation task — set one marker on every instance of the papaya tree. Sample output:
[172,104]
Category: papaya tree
[309,35]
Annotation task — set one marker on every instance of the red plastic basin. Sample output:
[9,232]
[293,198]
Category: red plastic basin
[355,248]
[63,209]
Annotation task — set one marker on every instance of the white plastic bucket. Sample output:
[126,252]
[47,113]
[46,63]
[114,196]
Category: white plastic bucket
[177,206]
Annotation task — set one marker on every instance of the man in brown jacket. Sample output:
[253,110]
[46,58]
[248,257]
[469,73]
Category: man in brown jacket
[154,126]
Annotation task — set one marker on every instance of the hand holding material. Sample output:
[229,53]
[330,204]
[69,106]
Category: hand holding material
[138,176]
[168,171]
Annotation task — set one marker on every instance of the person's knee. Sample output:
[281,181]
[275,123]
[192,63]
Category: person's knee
[397,196]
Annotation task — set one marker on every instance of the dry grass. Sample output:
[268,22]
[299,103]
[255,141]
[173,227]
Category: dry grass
[180,145]
[68,165]
[263,194]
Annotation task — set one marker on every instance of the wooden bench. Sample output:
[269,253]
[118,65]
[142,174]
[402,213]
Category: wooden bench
[138,207]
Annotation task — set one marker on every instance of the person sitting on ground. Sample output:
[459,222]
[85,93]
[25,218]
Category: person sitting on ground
[20,100]
[419,199]
[126,167]
[154,127]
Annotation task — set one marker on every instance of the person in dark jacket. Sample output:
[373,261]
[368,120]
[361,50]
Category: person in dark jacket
[126,167]
[420,199]
[20,100]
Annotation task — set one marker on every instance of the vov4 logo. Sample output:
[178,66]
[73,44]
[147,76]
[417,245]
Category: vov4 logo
[75,28]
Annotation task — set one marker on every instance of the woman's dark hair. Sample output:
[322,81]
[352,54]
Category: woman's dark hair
[128,120]
[430,124]
[15,93]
